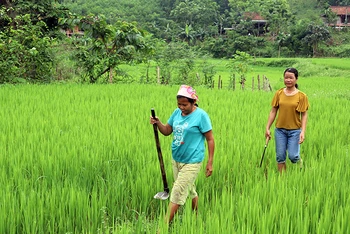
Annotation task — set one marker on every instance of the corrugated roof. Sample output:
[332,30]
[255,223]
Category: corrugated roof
[253,16]
[341,10]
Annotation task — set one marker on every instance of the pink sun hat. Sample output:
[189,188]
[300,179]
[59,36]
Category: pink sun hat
[187,91]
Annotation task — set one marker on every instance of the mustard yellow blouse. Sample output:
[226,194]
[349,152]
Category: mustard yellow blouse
[290,109]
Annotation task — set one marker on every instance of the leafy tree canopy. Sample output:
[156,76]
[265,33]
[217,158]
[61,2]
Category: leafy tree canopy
[105,46]
[46,11]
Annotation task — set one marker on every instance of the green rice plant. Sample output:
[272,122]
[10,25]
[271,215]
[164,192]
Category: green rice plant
[82,159]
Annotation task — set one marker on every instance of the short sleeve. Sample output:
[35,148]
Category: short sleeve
[171,118]
[276,98]
[205,123]
[303,105]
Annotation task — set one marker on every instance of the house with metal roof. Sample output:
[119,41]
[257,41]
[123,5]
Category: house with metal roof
[343,16]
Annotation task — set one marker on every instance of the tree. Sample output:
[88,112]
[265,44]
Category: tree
[223,6]
[27,32]
[330,16]
[167,5]
[242,14]
[281,41]
[240,7]
[104,47]
[316,34]
[176,57]
[146,13]
[240,64]
[26,38]
[197,15]
[38,11]
[25,52]
[294,39]
[187,34]
[278,15]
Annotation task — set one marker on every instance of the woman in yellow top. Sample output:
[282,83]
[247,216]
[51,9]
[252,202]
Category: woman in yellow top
[291,105]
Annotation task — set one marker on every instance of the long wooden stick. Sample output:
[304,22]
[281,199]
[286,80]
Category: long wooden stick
[160,156]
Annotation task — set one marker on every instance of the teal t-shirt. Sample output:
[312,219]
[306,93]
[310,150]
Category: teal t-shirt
[188,135]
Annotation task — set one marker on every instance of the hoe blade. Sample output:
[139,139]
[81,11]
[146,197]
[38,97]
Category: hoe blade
[161,195]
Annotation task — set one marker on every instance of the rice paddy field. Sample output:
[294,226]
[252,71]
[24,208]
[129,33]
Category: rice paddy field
[82,159]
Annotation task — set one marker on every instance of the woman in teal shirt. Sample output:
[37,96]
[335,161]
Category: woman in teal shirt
[190,126]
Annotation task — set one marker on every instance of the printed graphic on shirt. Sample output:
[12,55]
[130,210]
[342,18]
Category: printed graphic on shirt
[178,132]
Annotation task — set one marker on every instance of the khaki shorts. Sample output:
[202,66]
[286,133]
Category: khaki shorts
[184,175]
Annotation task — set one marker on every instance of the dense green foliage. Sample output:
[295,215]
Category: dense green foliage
[41,11]
[25,52]
[32,44]
[108,47]
[204,24]
[28,35]
[35,46]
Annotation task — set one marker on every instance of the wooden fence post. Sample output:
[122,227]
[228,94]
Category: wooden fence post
[242,82]
[264,82]
[234,82]
[111,75]
[158,74]
[268,84]
[198,77]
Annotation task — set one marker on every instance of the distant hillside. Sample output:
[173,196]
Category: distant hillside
[201,23]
